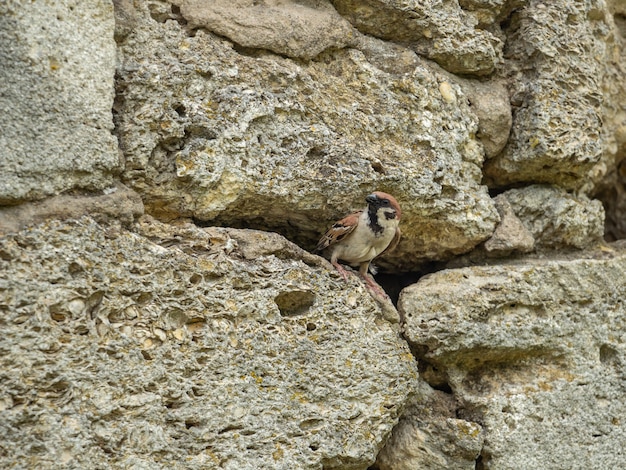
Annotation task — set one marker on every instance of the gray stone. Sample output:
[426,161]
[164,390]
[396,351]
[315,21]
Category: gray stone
[487,12]
[535,351]
[490,103]
[58,62]
[557,219]
[293,28]
[262,141]
[177,347]
[510,235]
[440,31]
[116,204]
[431,437]
[561,63]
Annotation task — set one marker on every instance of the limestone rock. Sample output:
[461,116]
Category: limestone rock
[440,31]
[178,347]
[431,437]
[562,65]
[58,62]
[116,204]
[490,103]
[293,28]
[487,12]
[510,235]
[535,352]
[557,219]
[257,140]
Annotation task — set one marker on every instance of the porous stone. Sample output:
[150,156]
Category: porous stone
[556,218]
[490,102]
[440,31]
[562,66]
[535,352]
[179,347]
[487,12]
[510,235]
[430,436]
[116,204]
[262,141]
[58,63]
[293,28]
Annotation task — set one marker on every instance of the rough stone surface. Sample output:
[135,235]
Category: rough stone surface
[116,204]
[184,352]
[557,219]
[614,124]
[262,141]
[510,235]
[431,437]
[293,28]
[440,31]
[562,66]
[490,102]
[58,62]
[535,352]
[152,345]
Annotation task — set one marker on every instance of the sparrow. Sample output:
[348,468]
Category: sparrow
[363,235]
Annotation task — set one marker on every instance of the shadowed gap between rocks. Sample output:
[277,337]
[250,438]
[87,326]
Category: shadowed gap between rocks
[391,282]
[613,198]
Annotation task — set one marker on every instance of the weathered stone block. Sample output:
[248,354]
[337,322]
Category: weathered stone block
[186,348]
[58,63]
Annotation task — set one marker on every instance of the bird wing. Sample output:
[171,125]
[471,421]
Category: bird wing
[340,230]
[394,242]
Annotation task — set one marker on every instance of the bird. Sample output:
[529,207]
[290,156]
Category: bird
[363,235]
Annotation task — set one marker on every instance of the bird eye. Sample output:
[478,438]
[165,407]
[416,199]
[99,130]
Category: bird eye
[385,202]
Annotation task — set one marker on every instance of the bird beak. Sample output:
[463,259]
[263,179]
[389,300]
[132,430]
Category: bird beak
[371,199]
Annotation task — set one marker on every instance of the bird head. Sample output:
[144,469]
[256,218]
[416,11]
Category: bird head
[385,202]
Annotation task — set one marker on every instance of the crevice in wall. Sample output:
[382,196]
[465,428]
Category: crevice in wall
[612,194]
[394,282]
[482,462]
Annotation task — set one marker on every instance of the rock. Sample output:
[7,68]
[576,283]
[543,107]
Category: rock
[565,82]
[388,56]
[291,28]
[441,32]
[487,12]
[510,234]
[118,203]
[260,141]
[57,92]
[534,351]
[430,436]
[189,348]
[490,103]
[557,219]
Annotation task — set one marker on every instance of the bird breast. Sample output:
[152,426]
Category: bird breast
[363,244]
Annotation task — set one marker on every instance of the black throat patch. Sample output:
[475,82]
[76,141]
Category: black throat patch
[373,220]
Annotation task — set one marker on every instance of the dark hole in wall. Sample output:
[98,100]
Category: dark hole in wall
[612,194]
[393,283]
[482,462]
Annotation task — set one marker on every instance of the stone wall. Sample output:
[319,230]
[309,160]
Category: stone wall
[169,165]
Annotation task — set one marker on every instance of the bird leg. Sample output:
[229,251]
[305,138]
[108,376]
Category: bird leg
[342,271]
[370,282]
